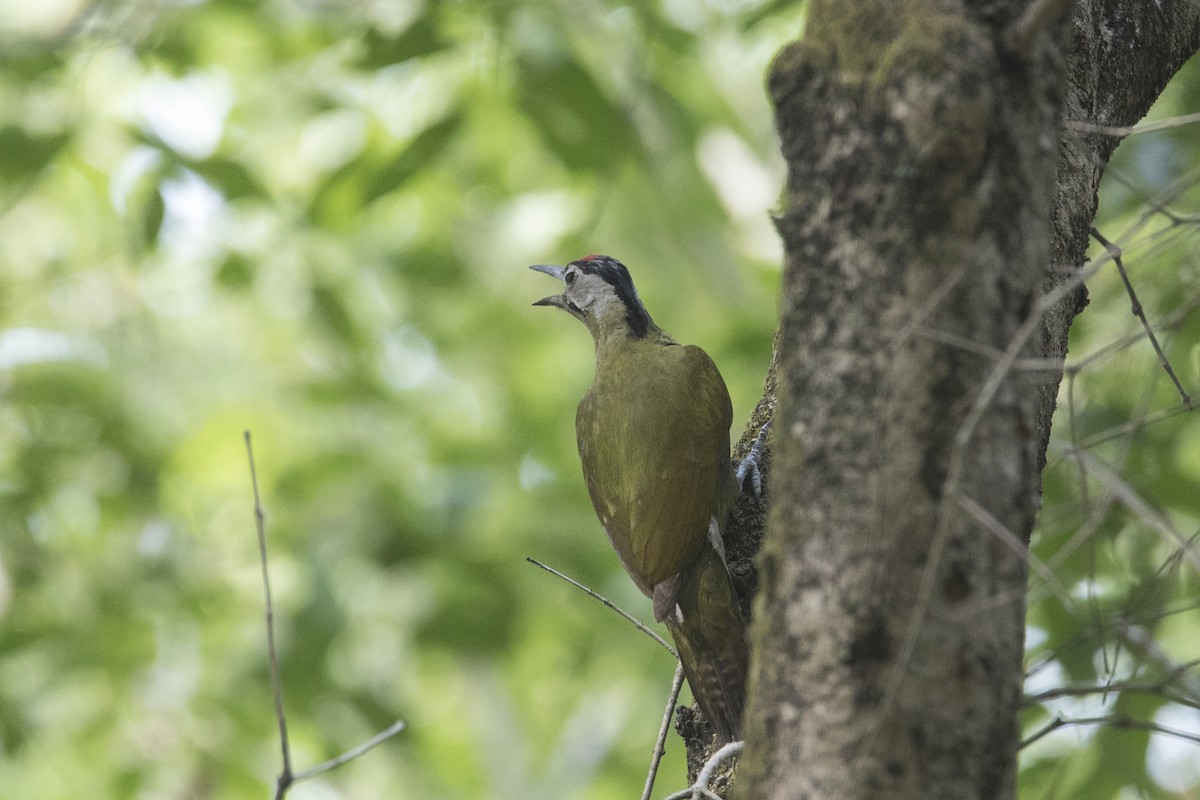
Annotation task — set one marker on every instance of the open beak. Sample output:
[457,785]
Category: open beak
[553,271]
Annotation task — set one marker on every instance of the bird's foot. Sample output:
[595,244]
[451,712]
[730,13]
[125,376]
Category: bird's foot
[748,466]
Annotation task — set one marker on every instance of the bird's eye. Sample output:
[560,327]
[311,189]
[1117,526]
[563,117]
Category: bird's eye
[569,278]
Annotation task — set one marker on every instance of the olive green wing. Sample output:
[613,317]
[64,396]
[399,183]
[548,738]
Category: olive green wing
[655,453]
[606,452]
[673,507]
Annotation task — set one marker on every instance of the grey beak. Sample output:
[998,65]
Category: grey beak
[553,271]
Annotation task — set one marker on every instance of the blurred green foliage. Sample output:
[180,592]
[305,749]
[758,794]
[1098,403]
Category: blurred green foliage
[312,221]
[1119,530]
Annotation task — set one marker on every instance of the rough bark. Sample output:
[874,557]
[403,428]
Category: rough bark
[928,214]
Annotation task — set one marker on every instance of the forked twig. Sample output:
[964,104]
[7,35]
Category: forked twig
[286,777]
[1170,322]
[1132,426]
[1138,312]
[660,745]
[1152,517]
[700,789]
[677,684]
[1112,722]
[951,485]
[1175,677]
[351,754]
[1014,543]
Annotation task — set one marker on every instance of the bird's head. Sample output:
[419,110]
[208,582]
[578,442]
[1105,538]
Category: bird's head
[599,292]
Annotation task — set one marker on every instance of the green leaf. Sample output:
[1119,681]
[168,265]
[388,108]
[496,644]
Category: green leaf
[347,190]
[574,116]
[419,39]
[23,155]
[152,213]
[420,153]
[229,177]
[236,272]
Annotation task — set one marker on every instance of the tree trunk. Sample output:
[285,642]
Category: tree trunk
[934,231]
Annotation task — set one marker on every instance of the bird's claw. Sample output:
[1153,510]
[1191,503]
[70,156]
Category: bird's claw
[748,466]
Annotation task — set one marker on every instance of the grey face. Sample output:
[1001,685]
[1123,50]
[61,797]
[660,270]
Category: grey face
[597,287]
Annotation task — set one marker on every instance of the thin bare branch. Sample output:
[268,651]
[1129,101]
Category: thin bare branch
[351,754]
[1014,543]
[1141,315]
[1143,643]
[957,463]
[1112,722]
[1073,418]
[927,308]
[285,778]
[1050,365]
[694,793]
[1174,675]
[1144,127]
[1132,500]
[699,789]
[641,626]
[1157,206]
[1178,317]
[718,758]
[1125,428]
[1127,687]
[660,744]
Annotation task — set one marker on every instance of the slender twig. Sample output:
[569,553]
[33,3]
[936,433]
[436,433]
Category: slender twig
[1050,365]
[1115,252]
[1157,206]
[955,470]
[351,754]
[1175,319]
[1142,642]
[1073,417]
[927,307]
[1049,727]
[641,626]
[1157,688]
[1097,514]
[1014,543]
[1154,518]
[694,793]
[285,777]
[1112,722]
[1132,426]
[717,759]
[1039,15]
[700,789]
[660,745]
[1142,127]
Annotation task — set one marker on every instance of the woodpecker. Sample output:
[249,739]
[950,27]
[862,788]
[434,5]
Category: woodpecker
[653,435]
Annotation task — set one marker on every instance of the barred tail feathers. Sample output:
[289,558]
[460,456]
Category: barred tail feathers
[710,634]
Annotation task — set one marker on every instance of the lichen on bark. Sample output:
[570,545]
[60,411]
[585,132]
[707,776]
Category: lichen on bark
[912,157]
[928,207]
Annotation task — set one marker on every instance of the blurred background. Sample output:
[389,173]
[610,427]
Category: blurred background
[312,220]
